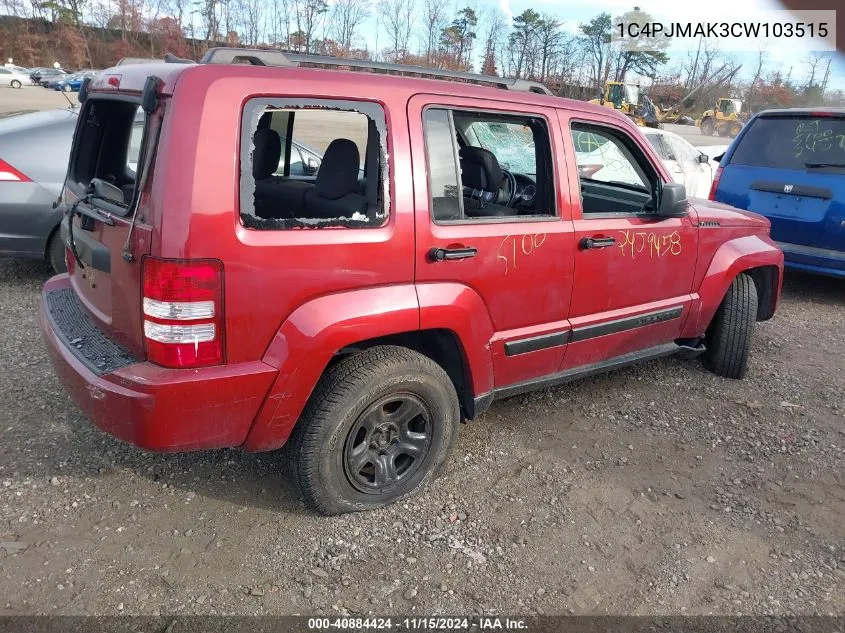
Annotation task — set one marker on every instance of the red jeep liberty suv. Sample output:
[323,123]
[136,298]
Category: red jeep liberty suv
[351,263]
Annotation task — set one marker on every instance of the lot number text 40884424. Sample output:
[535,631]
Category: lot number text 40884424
[417,623]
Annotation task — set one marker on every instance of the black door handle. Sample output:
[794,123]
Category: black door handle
[596,242]
[442,254]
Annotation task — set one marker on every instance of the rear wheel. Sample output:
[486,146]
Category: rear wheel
[16,83]
[56,252]
[735,128]
[378,427]
[728,338]
[707,127]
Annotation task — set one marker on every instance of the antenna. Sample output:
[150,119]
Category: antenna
[70,103]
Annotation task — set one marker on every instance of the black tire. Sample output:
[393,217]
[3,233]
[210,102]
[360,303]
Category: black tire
[16,83]
[344,432]
[735,128]
[56,252]
[728,338]
[708,127]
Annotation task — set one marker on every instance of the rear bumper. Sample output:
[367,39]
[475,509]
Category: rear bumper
[156,408]
[820,261]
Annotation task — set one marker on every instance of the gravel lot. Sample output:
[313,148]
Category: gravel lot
[659,489]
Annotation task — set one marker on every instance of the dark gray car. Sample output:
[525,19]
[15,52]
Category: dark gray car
[34,152]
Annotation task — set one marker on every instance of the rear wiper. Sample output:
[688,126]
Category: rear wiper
[76,209]
[92,212]
[823,165]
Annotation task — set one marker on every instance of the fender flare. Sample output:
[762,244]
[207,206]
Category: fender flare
[731,258]
[309,338]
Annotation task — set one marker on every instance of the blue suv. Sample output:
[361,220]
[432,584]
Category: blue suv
[789,165]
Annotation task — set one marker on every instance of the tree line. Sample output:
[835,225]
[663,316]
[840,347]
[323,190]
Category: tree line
[573,59]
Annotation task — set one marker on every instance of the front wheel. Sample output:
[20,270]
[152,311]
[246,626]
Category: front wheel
[728,338]
[707,127]
[379,426]
[16,83]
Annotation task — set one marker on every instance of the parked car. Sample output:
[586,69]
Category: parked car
[13,78]
[689,165]
[789,166]
[72,83]
[40,75]
[31,179]
[213,299]
[18,69]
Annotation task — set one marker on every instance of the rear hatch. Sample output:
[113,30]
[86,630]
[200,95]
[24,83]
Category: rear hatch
[110,229]
[790,167]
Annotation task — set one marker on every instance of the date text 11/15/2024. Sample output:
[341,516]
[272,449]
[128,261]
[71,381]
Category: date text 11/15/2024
[484,623]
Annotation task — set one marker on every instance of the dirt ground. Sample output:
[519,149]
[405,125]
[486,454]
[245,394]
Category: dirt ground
[659,489]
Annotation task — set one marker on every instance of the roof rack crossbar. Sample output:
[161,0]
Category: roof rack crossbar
[278,58]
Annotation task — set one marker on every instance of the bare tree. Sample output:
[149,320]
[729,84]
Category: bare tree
[250,16]
[398,18]
[495,26]
[347,17]
[596,41]
[435,22]
[761,60]
[812,62]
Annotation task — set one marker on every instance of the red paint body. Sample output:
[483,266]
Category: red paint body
[294,299]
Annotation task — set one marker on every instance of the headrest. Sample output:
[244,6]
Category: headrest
[267,152]
[480,169]
[338,175]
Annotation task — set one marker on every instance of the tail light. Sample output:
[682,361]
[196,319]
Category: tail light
[715,184]
[183,312]
[10,174]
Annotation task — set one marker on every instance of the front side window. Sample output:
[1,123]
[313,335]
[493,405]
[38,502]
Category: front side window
[615,174]
[313,163]
[600,156]
[485,166]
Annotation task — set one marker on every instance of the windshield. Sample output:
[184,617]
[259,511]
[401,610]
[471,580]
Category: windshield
[792,142]
[512,143]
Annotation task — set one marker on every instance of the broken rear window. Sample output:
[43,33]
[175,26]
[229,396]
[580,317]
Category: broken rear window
[311,163]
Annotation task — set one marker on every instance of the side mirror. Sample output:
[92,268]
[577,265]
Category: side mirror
[673,200]
[703,158]
[311,166]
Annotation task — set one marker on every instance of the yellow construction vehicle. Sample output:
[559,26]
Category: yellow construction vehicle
[626,98]
[726,119]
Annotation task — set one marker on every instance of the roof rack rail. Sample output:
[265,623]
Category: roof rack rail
[137,60]
[258,57]
[253,56]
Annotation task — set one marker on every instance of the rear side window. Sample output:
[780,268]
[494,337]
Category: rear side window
[311,163]
[792,142]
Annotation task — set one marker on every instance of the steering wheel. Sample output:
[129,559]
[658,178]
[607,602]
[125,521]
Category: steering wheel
[511,187]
